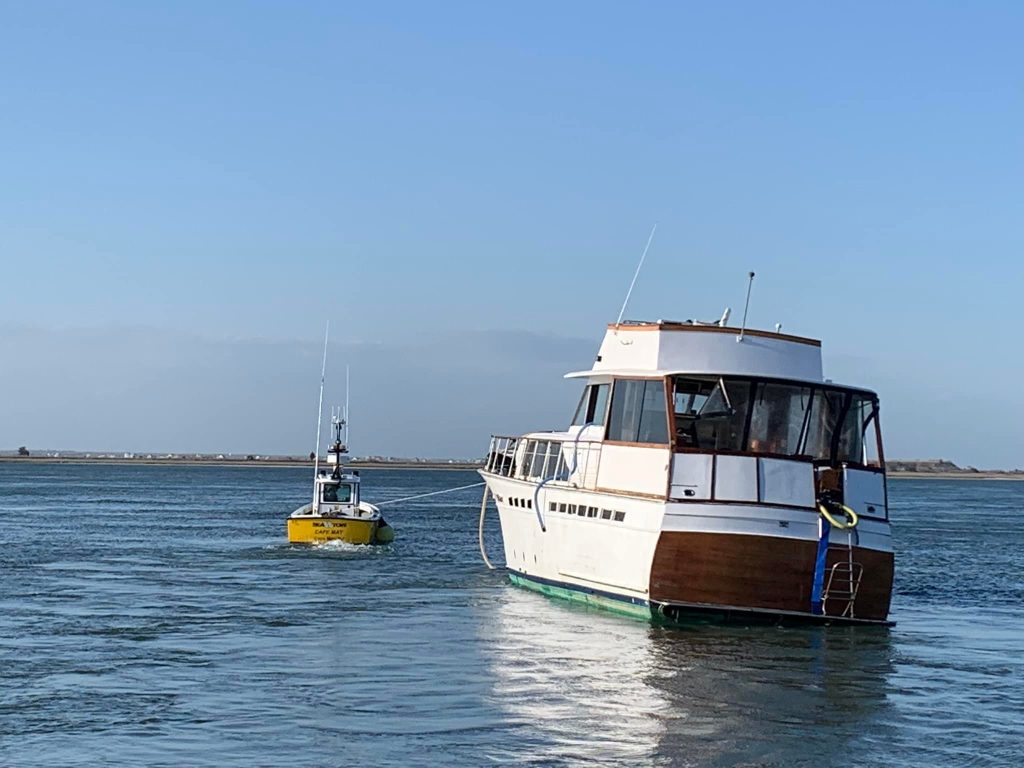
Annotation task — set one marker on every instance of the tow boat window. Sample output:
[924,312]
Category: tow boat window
[593,406]
[638,412]
[338,494]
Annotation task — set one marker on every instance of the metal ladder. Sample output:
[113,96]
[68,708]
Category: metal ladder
[841,587]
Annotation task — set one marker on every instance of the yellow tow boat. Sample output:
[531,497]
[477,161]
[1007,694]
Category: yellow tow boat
[336,512]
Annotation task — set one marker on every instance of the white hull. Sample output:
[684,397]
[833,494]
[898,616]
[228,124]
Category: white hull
[586,552]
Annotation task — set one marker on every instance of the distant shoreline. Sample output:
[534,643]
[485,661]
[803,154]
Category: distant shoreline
[900,474]
[253,463]
[896,474]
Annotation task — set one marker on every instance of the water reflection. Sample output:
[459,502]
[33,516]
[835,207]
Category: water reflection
[574,681]
[583,685]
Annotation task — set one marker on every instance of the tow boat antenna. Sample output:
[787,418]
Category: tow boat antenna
[750,284]
[636,275]
[320,411]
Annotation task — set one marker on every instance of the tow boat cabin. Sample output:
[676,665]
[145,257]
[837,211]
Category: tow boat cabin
[704,462]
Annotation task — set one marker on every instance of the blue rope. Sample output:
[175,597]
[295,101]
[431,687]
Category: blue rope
[818,585]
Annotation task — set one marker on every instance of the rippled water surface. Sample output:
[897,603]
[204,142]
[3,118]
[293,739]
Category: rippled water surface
[155,616]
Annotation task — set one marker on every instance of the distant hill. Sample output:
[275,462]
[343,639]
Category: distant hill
[925,465]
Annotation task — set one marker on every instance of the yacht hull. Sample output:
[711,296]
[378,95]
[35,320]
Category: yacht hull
[666,560]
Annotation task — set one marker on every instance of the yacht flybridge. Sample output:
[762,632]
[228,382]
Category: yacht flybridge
[708,471]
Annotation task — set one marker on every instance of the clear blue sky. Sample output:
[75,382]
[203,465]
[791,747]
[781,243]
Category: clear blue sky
[187,177]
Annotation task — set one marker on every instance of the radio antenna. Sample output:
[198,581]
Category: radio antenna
[750,284]
[320,408]
[636,275]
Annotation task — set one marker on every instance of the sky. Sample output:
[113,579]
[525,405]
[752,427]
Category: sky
[191,190]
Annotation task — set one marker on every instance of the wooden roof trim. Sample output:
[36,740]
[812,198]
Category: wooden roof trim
[713,329]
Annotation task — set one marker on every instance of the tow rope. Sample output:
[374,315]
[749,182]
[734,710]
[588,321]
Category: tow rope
[424,495]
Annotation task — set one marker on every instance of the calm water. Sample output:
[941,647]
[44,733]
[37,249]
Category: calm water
[154,616]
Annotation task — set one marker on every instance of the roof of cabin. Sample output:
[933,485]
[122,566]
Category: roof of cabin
[675,325]
[662,348]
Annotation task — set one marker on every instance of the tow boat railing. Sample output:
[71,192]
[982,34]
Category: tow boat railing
[559,460]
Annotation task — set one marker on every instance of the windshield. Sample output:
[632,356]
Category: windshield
[775,418]
[338,494]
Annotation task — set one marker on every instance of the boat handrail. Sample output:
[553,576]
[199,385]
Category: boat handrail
[566,458]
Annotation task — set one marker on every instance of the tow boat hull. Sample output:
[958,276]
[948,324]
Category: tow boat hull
[318,530]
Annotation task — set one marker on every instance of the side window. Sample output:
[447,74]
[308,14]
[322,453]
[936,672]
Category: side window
[653,418]
[638,412]
[580,418]
[627,400]
[598,404]
[593,406]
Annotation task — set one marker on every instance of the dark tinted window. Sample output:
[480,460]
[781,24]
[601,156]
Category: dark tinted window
[638,412]
[593,406]
[723,418]
[777,418]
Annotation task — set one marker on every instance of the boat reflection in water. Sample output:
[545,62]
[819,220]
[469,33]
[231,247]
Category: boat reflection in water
[589,686]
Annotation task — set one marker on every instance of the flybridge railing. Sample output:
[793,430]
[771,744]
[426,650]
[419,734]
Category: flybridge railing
[554,459]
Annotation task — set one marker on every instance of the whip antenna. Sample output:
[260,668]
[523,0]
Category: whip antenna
[636,275]
[750,284]
[320,408]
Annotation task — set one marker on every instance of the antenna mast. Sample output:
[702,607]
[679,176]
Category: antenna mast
[743,328]
[348,440]
[320,411]
[636,275]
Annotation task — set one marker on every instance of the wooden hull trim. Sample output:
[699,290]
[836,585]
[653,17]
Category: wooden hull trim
[684,613]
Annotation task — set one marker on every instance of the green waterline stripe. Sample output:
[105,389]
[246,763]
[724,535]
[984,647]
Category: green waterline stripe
[577,595]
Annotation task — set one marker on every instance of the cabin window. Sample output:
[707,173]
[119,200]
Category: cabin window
[841,428]
[735,415]
[638,412]
[593,406]
[777,418]
[710,414]
[337,494]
